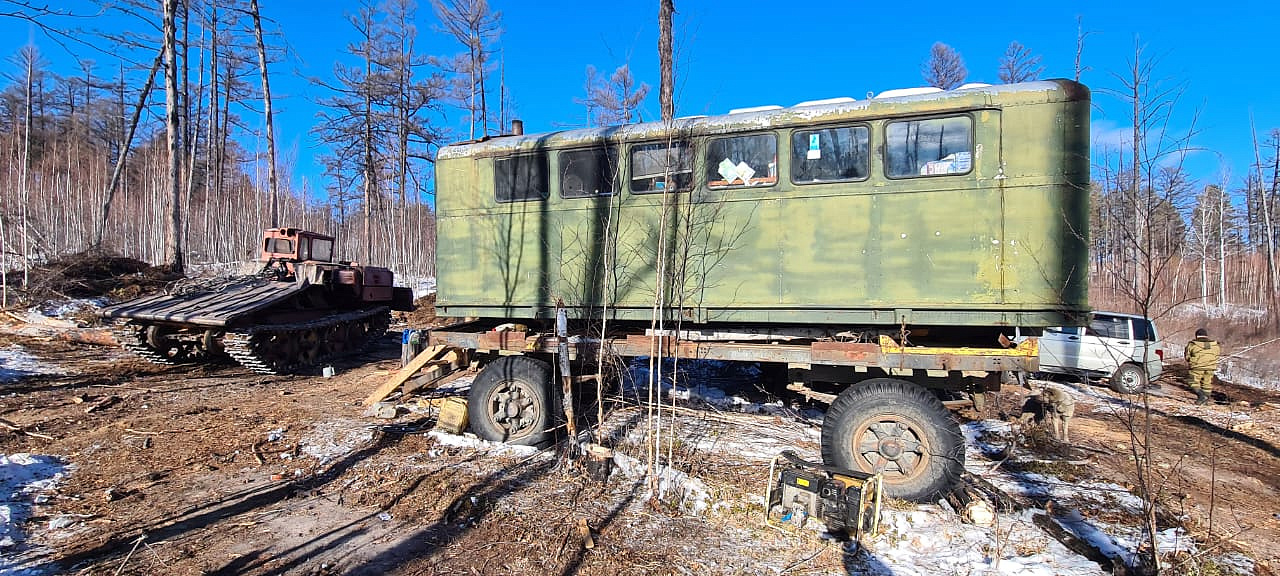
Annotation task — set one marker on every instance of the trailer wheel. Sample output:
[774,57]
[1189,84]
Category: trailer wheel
[512,401]
[898,429]
[1129,379]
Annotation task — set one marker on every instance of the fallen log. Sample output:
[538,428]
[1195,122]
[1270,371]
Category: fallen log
[1072,542]
[1004,501]
[19,429]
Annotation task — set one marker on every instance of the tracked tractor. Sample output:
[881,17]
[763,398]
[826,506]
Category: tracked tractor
[300,309]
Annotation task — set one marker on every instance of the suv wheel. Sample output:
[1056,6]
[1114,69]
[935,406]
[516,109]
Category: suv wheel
[1129,379]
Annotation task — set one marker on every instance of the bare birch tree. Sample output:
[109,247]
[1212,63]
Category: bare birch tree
[1081,35]
[173,231]
[1155,192]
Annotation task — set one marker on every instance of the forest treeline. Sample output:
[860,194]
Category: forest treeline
[88,151]
[98,157]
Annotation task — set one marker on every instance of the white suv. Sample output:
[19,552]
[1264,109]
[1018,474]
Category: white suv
[1123,348]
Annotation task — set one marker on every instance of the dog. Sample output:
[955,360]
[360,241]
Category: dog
[1054,405]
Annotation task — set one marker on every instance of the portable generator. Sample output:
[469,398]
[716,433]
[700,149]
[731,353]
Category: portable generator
[847,501]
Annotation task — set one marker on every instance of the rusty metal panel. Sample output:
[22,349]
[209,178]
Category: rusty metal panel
[886,355]
[845,353]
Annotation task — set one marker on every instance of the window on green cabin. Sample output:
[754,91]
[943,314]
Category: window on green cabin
[658,167]
[929,147]
[835,154]
[520,178]
[742,161]
[587,173]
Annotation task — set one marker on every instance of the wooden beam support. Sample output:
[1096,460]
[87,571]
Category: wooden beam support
[422,359]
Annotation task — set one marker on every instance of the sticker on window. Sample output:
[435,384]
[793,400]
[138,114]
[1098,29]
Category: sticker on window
[815,150]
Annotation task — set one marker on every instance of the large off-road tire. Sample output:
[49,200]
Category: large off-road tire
[512,400]
[898,429]
[1129,379]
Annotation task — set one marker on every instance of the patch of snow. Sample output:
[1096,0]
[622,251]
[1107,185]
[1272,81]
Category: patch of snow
[471,441]
[66,308]
[421,286]
[16,363]
[685,492]
[24,479]
[1234,313]
[331,439]
[1236,562]
[705,382]
[1245,372]
[927,541]
[688,494]
[979,443]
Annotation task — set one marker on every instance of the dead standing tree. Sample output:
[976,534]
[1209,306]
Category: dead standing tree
[126,143]
[1151,192]
[274,188]
[173,257]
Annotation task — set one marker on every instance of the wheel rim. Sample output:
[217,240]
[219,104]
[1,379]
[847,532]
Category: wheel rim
[893,446]
[1131,379]
[514,406]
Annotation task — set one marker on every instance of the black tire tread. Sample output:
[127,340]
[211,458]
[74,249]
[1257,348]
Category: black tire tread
[525,368]
[878,395]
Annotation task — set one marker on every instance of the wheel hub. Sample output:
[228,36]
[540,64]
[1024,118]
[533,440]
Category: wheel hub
[891,449]
[513,407]
[891,446]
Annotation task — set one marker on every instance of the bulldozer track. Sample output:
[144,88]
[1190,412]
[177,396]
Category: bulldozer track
[131,336]
[285,348]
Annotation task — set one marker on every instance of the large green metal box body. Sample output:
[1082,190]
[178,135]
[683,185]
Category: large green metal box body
[1002,245]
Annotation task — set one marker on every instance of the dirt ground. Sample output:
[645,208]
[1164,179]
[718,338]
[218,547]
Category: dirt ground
[215,470]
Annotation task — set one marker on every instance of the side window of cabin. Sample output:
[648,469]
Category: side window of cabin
[929,147]
[586,173]
[742,161]
[653,164]
[830,154]
[520,178]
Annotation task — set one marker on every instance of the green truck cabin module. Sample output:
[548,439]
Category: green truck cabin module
[946,215]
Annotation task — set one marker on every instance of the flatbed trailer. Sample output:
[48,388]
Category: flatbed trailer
[887,413]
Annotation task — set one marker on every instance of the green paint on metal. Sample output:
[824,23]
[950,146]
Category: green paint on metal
[1003,244]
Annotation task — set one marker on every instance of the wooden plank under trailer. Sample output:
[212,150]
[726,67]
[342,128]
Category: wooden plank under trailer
[885,354]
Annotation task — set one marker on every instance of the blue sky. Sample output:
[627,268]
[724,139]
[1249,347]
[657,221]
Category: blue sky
[753,52]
